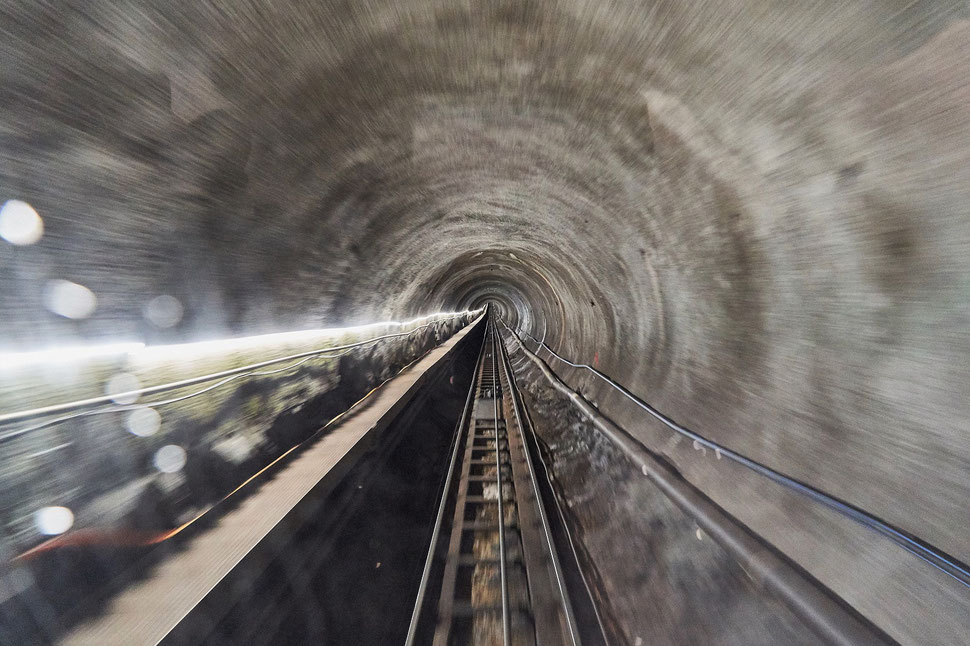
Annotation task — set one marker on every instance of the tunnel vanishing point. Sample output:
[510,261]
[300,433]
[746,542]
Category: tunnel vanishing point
[751,216]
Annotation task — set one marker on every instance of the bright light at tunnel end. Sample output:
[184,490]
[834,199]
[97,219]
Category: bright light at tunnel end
[137,349]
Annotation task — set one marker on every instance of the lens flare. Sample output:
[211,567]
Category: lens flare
[70,300]
[52,521]
[20,224]
[170,458]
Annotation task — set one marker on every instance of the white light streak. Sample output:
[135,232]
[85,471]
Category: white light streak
[197,348]
[136,350]
[65,354]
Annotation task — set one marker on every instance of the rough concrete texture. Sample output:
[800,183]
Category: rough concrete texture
[751,213]
[641,551]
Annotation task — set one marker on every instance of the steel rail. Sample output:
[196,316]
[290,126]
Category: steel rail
[928,553]
[570,539]
[235,373]
[432,548]
[828,616]
[506,627]
[557,568]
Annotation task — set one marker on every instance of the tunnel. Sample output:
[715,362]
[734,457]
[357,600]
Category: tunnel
[745,214]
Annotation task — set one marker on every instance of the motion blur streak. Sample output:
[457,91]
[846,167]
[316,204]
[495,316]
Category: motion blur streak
[64,354]
[137,350]
[751,214]
[129,396]
[249,342]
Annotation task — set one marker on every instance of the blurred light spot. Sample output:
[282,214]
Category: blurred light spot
[69,299]
[170,458]
[19,223]
[643,469]
[120,386]
[700,534]
[53,520]
[717,453]
[697,445]
[638,642]
[144,421]
[164,311]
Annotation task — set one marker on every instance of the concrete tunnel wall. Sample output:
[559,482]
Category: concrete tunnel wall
[226,429]
[753,214]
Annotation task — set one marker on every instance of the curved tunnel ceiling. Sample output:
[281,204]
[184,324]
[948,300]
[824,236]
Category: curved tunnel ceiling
[753,214]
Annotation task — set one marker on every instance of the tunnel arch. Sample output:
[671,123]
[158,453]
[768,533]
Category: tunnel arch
[759,244]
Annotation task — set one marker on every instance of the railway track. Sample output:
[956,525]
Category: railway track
[497,570]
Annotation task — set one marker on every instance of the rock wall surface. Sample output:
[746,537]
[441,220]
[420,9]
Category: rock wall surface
[155,461]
